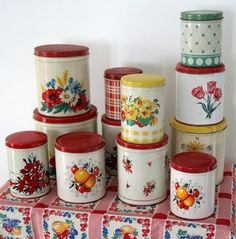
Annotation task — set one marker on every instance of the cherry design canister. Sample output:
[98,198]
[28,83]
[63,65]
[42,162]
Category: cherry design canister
[142,108]
[201,92]
[192,187]
[55,126]
[110,129]
[80,167]
[62,72]
[142,172]
[112,89]
[28,164]
[201,32]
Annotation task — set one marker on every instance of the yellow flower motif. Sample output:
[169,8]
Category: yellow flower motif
[144,113]
[139,102]
[195,146]
[154,121]
[131,112]
[123,99]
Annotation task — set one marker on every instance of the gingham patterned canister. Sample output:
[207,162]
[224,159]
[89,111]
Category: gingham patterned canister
[142,108]
[112,78]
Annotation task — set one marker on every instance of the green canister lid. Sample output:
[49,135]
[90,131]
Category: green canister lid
[201,15]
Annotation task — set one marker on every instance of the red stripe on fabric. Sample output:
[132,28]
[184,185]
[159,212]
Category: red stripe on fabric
[224,222]
[227,173]
[225,195]
[99,211]
[160,216]
[40,205]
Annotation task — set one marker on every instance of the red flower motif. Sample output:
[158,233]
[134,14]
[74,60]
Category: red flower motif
[127,164]
[211,85]
[52,162]
[51,97]
[217,94]
[198,92]
[122,115]
[80,104]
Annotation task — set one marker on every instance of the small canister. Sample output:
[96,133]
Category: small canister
[55,126]
[201,92]
[110,129]
[112,89]
[192,187]
[62,72]
[142,172]
[208,139]
[28,164]
[201,32]
[80,167]
[142,108]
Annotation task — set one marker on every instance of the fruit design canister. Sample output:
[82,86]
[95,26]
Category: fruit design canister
[201,92]
[28,164]
[192,185]
[201,32]
[208,139]
[62,72]
[112,78]
[80,167]
[142,172]
[142,108]
[110,129]
[55,126]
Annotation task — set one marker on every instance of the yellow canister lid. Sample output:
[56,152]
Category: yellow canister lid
[202,129]
[143,80]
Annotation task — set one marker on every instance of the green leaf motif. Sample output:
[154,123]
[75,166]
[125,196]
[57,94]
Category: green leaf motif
[182,232]
[144,121]
[130,122]
[68,221]
[203,106]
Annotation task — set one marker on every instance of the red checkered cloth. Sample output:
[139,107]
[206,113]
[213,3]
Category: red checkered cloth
[109,218]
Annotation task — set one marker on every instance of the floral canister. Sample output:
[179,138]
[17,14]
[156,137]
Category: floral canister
[208,139]
[28,164]
[201,32]
[201,92]
[142,172]
[55,126]
[192,186]
[112,78]
[110,129]
[80,167]
[62,73]
[142,108]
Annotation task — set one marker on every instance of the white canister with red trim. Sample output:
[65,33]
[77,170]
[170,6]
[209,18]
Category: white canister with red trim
[142,172]
[80,167]
[192,187]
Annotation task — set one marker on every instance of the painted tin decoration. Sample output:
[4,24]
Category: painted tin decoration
[112,78]
[62,72]
[142,172]
[80,167]
[192,187]
[208,139]
[142,108]
[55,126]
[201,92]
[28,164]
[110,129]
[201,32]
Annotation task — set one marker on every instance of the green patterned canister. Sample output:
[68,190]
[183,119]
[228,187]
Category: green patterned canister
[201,32]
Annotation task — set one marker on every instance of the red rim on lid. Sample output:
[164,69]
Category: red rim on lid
[66,120]
[193,162]
[79,142]
[128,145]
[61,50]
[117,72]
[199,70]
[26,139]
[111,122]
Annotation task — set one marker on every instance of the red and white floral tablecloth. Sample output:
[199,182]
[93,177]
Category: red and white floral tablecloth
[109,218]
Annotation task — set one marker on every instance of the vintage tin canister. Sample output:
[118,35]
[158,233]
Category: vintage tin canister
[62,72]
[80,167]
[110,129]
[192,185]
[28,164]
[55,126]
[112,78]
[201,32]
[208,139]
[142,108]
[201,92]
[142,172]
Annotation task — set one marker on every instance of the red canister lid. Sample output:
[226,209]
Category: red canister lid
[193,162]
[26,139]
[117,72]
[199,70]
[79,142]
[61,50]
[65,120]
[128,145]
[108,121]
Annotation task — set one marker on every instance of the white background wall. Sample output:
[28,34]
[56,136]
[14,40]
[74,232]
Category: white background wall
[137,33]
